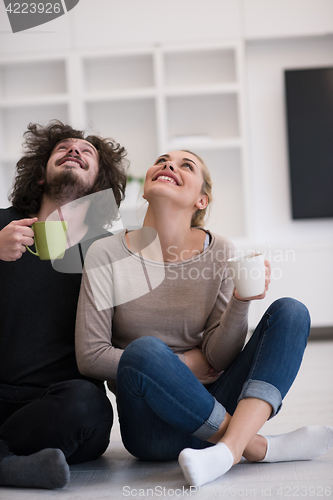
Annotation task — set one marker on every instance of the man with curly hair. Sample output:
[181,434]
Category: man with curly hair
[51,415]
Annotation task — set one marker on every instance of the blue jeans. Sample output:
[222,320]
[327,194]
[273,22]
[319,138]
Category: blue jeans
[162,406]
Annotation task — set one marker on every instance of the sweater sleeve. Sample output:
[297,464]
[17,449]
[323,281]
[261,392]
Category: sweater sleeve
[226,327]
[95,354]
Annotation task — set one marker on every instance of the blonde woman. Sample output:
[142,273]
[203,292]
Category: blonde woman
[159,318]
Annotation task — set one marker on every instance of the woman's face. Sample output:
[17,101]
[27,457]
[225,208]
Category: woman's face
[178,176]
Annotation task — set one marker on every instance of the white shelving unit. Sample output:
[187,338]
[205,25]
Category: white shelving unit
[202,88]
[30,91]
[151,100]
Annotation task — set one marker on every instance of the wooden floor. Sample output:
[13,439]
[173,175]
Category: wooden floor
[117,475]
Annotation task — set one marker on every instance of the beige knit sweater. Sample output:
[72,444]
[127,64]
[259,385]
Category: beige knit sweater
[185,304]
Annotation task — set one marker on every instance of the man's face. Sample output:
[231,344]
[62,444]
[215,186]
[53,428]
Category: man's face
[71,170]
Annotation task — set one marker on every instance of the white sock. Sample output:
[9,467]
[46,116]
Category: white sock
[202,466]
[305,443]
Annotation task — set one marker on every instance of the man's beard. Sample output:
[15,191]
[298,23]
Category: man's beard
[65,187]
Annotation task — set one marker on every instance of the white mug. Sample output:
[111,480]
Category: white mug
[248,274]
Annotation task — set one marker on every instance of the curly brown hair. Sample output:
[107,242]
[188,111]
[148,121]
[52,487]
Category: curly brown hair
[39,142]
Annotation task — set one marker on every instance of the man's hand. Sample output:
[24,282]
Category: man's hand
[199,366]
[267,282]
[14,237]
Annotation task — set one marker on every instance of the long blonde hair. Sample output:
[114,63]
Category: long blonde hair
[198,218]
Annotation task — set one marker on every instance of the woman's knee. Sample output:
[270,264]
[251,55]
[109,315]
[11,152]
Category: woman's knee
[143,364]
[294,313]
[141,351]
[293,308]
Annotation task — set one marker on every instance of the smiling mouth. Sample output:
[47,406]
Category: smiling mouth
[166,178]
[73,162]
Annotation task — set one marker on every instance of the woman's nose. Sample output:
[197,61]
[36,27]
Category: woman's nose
[168,164]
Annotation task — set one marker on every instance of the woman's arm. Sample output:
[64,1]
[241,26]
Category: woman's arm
[226,327]
[95,354]
[196,361]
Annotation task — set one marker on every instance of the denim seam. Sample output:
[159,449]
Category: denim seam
[257,356]
[246,384]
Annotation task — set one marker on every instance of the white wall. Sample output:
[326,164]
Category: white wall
[301,251]
[264,19]
[110,23]
[265,65]
[106,23]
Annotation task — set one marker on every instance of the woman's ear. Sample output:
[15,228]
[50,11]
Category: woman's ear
[40,183]
[202,202]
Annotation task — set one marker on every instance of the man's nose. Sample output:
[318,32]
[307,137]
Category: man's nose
[73,151]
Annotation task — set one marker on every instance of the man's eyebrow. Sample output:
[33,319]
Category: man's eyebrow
[92,146]
[83,140]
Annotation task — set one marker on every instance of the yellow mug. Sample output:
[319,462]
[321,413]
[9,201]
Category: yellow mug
[50,239]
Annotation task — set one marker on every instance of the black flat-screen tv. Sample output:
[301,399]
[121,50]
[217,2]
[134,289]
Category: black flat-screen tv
[309,107]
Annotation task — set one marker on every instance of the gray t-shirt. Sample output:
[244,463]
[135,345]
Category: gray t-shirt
[185,304]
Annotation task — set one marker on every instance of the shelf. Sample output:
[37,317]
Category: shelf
[227,212]
[212,115]
[14,122]
[131,123]
[120,95]
[200,67]
[232,88]
[149,99]
[134,191]
[41,100]
[32,79]
[204,143]
[8,167]
[118,72]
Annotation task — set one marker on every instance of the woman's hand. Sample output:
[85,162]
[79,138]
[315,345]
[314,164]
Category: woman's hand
[199,366]
[14,237]
[267,282]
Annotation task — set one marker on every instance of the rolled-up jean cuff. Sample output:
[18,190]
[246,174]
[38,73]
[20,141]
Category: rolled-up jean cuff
[265,391]
[212,424]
